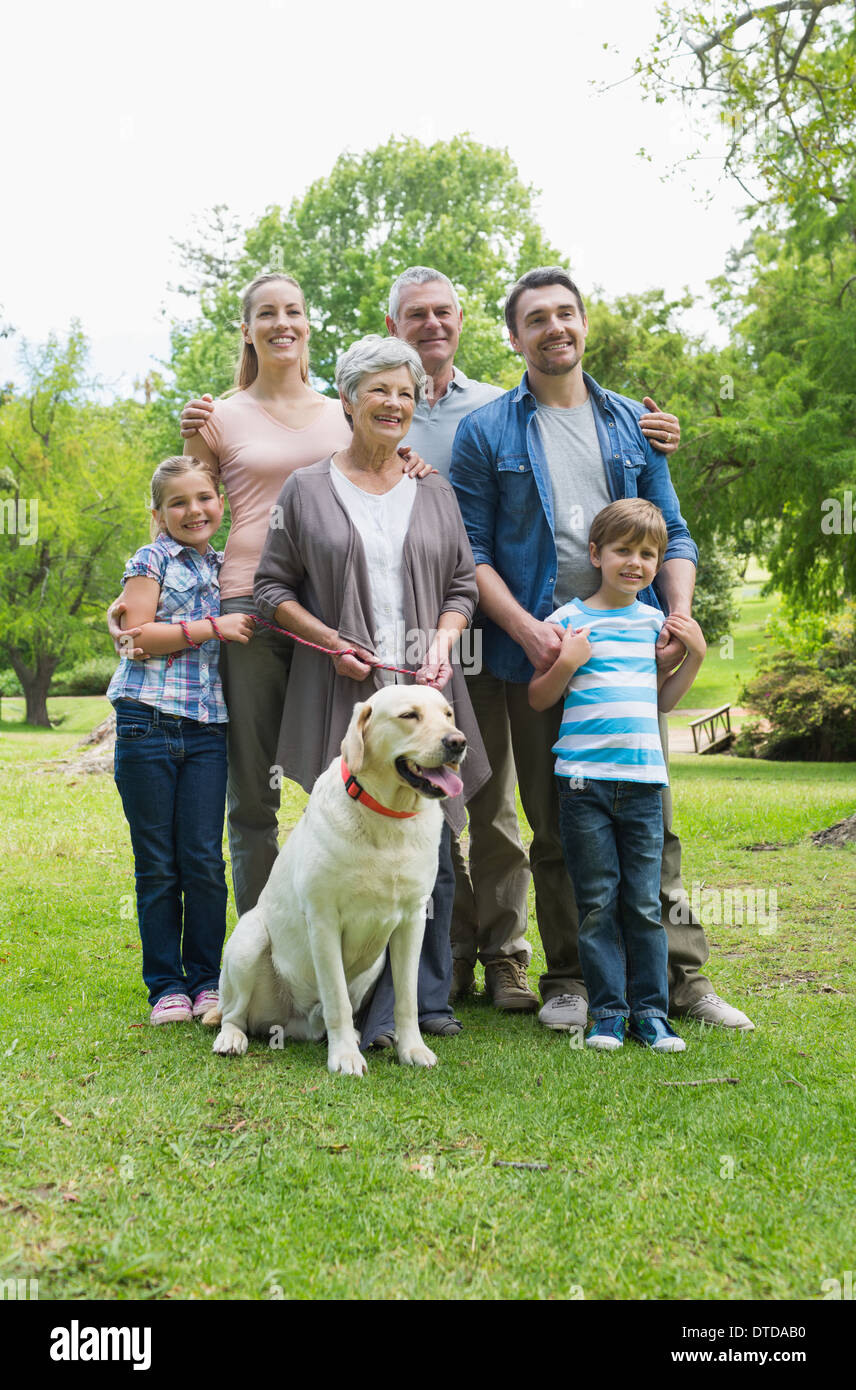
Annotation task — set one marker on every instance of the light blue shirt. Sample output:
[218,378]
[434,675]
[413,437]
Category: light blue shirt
[609,730]
[432,430]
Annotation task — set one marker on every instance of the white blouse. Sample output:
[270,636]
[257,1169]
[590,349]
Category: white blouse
[382,522]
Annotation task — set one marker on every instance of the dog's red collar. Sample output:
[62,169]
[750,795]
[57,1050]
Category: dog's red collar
[358,793]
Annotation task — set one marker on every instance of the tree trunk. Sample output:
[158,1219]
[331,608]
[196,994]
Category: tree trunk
[35,684]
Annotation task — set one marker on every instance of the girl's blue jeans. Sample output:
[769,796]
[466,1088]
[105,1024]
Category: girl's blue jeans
[171,775]
[612,839]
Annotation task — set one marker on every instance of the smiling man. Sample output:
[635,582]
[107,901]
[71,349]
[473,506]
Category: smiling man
[425,311]
[531,469]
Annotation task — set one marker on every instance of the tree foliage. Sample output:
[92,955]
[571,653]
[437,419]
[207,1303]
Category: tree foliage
[72,499]
[778,79]
[777,459]
[714,608]
[211,254]
[770,451]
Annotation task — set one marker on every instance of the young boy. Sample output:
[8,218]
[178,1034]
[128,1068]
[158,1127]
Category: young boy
[611,769]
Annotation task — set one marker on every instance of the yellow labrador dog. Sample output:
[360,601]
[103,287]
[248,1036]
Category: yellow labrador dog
[354,875]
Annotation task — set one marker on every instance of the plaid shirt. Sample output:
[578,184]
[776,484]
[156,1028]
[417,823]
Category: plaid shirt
[189,589]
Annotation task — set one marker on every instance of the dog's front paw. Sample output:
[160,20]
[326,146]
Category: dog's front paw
[346,1059]
[417,1055]
[230,1041]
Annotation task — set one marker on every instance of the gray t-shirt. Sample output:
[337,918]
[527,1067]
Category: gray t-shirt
[580,491]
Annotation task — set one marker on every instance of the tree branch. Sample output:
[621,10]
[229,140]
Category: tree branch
[86,573]
[714,40]
[45,438]
[845,286]
[42,564]
[807,33]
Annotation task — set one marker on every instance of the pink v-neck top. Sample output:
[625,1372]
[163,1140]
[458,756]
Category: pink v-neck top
[256,455]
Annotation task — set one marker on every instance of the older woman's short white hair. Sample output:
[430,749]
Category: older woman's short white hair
[376,354]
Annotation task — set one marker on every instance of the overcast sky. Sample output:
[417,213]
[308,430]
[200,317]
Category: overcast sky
[121,122]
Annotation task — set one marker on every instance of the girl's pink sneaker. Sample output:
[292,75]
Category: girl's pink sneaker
[206,999]
[173,1008]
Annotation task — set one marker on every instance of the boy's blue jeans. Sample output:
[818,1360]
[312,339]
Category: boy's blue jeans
[612,839]
[171,775]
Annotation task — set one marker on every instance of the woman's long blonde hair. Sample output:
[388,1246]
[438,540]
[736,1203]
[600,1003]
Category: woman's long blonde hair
[174,467]
[248,363]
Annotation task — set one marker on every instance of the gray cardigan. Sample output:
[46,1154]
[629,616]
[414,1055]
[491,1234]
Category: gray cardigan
[314,555]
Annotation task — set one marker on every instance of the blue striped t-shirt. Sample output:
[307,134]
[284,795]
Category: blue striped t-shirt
[609,730]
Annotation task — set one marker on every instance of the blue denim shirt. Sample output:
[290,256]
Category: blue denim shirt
[500,475]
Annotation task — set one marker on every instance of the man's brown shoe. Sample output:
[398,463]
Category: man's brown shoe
[463,979]
[506,984]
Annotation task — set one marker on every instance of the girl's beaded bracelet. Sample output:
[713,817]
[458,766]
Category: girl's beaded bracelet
[196,645]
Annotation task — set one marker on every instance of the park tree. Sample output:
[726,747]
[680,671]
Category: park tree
[717,574]
[775,461]
[457,205]
[210,255]
[637,345]
[769,454]
[73,483]
[776,81]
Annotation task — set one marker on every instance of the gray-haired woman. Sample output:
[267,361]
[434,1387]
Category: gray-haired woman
[360,557]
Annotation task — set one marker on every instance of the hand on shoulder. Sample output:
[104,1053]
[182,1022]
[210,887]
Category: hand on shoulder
[195,414]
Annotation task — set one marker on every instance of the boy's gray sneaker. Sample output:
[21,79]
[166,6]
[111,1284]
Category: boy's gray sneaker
[565,1011]
[713,1010]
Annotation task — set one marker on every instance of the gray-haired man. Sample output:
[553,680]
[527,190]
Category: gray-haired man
[489,920]
[425,311]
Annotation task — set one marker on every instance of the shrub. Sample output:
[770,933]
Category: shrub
[714,608]
[9,683]
[90,677]
[806,694]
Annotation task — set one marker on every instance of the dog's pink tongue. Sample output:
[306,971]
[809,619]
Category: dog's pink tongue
[444,777]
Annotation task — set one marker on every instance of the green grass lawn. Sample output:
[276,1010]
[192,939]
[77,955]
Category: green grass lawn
[135,1164]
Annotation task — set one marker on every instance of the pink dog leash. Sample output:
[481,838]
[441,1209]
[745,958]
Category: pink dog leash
[329,651]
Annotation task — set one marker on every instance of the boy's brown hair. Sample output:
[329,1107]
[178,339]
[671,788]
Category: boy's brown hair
[631,519]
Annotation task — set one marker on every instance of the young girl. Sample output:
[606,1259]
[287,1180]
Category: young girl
[170,764]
